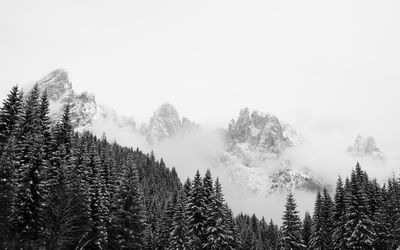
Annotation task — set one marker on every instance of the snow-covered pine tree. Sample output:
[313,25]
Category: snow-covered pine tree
[10,116]
[273,235]
[291,226]
[327,215]
[30,194]
[79,188]
[383,222]
[254,223]
[179,236]
[316,240]
[217,230]
[9,162]
[231,228]
[360,232]
[60,215]
[393,204]
[196,213]
[128,213]
[108,177]
[98,230]
[166,221]
[264,233]
[307,230]
[187,186]
[339,216]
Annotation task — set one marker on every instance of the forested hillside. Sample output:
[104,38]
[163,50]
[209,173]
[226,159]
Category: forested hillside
[65,190]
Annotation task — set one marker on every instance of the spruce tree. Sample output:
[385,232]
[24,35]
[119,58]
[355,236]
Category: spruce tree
[316,241]
[327,216]
[291,226]
[196,214]
[359,228]
[217,230]
[128,216]
[179,235]
[60,216]
[339,216]
[30,194]
[307,230]
[10,117]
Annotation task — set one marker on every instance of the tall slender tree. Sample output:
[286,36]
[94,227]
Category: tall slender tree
[291,226]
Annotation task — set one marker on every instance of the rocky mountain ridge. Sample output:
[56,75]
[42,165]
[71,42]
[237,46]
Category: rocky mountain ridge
[365,147]
[250,141]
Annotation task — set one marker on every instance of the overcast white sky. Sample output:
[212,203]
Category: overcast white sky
[332,64]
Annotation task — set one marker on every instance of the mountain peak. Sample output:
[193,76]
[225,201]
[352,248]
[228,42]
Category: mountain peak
[365,147]
[57,85]
[166,123]
[263,132]
[167,110]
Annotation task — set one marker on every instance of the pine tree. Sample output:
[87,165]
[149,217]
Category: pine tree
[291,226]
[263,234]
[339,216]
[307,230]
[327,216]
[10,117]
[165,225]
[179,236]
[359,228]
[217,230]
[383,225]
[316,241]
[231,228]
[98,230]
[60,215]
[30,194]
[79,188]
[273,235]
[196,214]
[128,216]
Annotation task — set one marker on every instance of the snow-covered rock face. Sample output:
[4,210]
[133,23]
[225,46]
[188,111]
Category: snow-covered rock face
[252,148]
[260,132]
[57,85]
[286,179]
[256,142]
[60,92]
[166,123]
[365,147]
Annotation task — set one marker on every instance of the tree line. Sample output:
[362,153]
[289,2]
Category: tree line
[60,189]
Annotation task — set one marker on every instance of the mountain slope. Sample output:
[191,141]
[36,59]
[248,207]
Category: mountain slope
[253,145]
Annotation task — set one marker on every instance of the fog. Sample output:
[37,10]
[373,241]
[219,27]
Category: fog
[245,188]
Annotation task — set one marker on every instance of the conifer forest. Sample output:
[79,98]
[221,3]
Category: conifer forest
[61,189]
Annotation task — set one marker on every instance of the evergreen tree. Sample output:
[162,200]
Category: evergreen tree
[339,217]
[359,228]
[307,230]
[217,230]
[59,212]
[128,216]
[30,194]
[316,241]
[273,235]
[327,217]
[10,117]
[179,236]
[291,226]
[98,230]
[196,214]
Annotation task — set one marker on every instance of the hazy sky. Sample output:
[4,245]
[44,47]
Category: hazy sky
[328,65]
